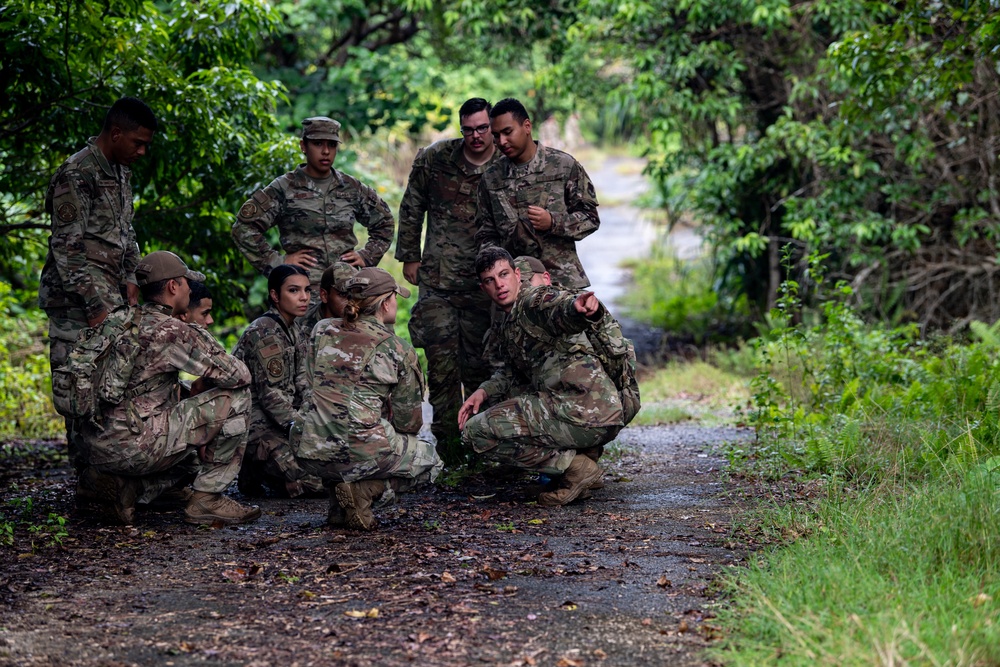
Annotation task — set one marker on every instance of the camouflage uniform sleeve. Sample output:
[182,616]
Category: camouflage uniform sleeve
[199,354]
[412,210]
[131,257]
[486,228]
[257,215]
[407,396]
[374,214]
[302,349]
[581,219]
[70,202]
[552,309]
[275,401]
[499,383]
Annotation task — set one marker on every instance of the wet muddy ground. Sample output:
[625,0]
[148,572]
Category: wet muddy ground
[455,575]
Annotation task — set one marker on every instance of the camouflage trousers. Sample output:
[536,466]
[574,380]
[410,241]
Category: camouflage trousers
[450,326]
[268,454]
[408,462]
[65,325]
[206,433]
[521,432]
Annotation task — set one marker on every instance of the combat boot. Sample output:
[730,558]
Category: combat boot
[335,516]
[594,454]
[117,493]
[581,473]
[211,507]
[356,499]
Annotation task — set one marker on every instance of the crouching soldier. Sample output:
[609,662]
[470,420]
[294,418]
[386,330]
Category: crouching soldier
[360,422]
[275,352]
[567,406]
[152,435]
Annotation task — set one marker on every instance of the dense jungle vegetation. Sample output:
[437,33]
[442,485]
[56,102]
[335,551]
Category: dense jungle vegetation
[837,155]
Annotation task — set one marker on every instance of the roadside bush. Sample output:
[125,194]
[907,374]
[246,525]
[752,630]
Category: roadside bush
[898,561]
[25,387]
[680,296]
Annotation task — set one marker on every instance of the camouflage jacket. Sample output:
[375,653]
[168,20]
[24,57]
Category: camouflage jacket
[556,182]
[166,347]
[366,385]
[92,250]
[308,219]
[569,376]
[276,356]
[443,186]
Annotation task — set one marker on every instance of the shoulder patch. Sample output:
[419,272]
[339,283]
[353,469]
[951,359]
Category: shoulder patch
[276,367]
[66,211]
[248,210]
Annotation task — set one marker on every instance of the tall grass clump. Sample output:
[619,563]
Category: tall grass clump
[899,560]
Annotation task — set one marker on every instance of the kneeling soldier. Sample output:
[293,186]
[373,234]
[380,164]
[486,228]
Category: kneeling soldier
[360,422]
[152,433]
[568,406]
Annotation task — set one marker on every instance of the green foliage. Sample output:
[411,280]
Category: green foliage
[41,527]
[908,576]
[26,409]
[897,557]
[680,296]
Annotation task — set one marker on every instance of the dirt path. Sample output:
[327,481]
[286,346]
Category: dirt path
[455,576]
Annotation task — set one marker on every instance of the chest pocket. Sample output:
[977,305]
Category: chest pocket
[545,190]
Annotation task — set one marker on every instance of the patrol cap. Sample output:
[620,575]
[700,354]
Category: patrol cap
[321,127]
[163,265]
[529,266]
[336,275]
[373,281]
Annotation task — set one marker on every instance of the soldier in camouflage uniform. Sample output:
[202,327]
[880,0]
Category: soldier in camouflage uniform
[569,407]
[199,310]
[152,433]
[360,422]
[275,353]
[332,295]
[315,208]
[92,253]
[536,200]
[452,313]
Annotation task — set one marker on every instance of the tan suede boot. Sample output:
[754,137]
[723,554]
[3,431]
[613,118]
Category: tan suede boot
[581,473]
[211,507]
[116,493]
[356,499]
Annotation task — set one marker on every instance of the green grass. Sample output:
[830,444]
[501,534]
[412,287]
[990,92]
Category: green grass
[889,576]
[690,391]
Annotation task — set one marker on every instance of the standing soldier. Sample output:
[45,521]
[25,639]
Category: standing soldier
[315,208]
[152,433]
[536,200]
[89,269]
[451,314]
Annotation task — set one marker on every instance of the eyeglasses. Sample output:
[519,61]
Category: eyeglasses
[469,131]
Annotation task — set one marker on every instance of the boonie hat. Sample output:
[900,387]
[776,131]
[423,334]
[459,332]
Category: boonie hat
[321,127]
[163,265]
[373,281]
[529,266]
[336,275]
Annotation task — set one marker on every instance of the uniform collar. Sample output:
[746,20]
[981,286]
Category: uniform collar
[303,179]
[101,160]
